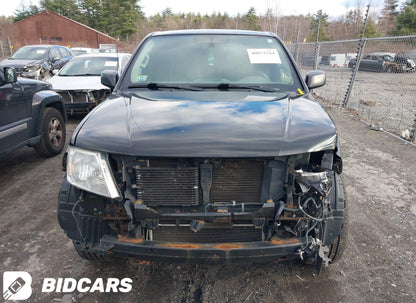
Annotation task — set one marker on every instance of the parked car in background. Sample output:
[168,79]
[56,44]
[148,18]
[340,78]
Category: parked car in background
[406,61]
[325,60]
[338,60]
[30,115]
[211,147]
[83,50]
[349,57]
[79,82]
[384,62]
[38,61]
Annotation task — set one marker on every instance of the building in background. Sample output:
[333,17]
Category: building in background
[51,28]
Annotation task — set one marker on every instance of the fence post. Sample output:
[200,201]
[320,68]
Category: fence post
[357,62]
[317,46]
[297,45]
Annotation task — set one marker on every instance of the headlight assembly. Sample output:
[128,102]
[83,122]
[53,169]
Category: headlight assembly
[90,171]
[32,68]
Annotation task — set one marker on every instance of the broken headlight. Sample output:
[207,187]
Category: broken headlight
[90,171]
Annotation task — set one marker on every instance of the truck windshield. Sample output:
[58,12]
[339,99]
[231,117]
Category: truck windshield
[209,59]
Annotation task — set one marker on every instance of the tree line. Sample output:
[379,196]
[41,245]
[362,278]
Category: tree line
[125,20]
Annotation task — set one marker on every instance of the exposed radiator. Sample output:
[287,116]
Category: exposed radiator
[167,186]
[162,183]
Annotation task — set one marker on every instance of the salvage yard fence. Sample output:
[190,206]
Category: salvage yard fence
[4,48]
[385,98]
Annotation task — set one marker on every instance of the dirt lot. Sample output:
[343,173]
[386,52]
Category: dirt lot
[378,264]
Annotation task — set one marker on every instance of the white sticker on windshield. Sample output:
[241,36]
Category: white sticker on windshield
[40,51]
[110,63]
[263,56]
[141,78]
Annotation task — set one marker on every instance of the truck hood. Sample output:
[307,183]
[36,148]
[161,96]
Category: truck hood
[245,125]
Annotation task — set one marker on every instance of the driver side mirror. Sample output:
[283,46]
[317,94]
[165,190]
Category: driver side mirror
[10,75]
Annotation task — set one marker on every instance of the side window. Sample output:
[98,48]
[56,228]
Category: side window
[388,58]
[54,54]
[63,52]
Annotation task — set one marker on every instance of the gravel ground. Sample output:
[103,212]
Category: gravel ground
[378,264]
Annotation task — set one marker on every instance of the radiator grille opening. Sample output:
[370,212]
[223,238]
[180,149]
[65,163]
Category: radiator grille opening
[240,181]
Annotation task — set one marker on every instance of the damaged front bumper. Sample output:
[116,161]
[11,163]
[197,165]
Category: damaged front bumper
[302,219]
[277,250]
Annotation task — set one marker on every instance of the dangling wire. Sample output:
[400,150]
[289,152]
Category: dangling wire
[81,198]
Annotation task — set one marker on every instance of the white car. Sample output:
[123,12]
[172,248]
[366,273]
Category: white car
[79,81]
[84,50]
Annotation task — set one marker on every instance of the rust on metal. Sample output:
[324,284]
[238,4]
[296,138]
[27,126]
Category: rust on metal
[284,241]
[227,246]
[183,245]
[125,239]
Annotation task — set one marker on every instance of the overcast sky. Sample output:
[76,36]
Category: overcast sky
[334,8]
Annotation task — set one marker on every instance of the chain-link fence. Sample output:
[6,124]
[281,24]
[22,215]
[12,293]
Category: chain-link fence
[383,89]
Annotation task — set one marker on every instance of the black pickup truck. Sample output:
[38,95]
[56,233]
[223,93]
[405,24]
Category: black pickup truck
[210,147]
[31,114]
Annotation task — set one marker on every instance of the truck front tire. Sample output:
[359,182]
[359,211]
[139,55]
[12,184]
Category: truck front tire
[53,133]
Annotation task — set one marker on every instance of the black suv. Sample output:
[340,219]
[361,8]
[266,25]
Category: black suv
[30,114]
[38,61]
[210,147]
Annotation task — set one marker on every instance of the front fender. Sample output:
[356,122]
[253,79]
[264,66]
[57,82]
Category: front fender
[41,100]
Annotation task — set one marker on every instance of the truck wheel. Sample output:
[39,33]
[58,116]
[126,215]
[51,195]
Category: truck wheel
[53,133]
[89,253]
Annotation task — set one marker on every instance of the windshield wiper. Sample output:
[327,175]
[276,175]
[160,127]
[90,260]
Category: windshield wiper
[156,86]
[227,86]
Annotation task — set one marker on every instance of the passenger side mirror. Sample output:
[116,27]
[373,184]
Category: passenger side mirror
[315,79]
[109,78]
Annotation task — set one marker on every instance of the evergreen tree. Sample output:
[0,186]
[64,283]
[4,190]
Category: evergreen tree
[67,8]
[90,12]
[119,17]
[319,20]
[371,30]
[25,11]
[251,20]
[406,19]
